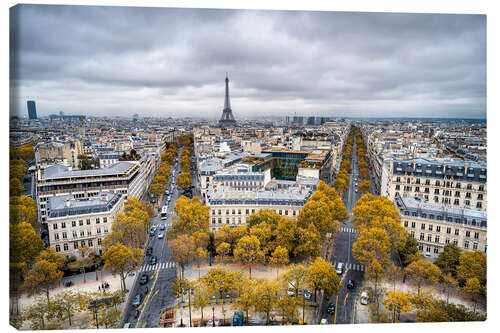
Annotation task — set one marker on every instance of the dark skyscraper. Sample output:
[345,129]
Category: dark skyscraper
[227,114]
[31,110]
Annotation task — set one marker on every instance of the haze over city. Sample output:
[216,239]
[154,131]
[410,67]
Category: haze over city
[172,62]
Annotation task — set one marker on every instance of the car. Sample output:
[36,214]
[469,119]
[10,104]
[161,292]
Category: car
[146,291]
[331,309]
[307,294]
[210,323]
[153,200]
[153,260]
[137,300]
[144,279]
[162,226]
[356,190]
[160,235]
[340,268]
[364,298]
[351,284]
[167,192]
[355,184]
[149,251]
[291,290]
[324,322]
[152,232]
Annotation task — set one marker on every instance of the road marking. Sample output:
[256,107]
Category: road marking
[345,299]
[336,303]
[144,325]
[146,300]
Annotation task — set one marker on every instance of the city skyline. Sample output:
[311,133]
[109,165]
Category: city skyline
[280,62]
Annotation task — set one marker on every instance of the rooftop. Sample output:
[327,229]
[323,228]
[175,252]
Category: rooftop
[60,171]
[66,205]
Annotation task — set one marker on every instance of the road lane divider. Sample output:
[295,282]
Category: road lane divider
[146,300]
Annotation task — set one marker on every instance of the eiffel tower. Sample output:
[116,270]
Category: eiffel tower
[227,114]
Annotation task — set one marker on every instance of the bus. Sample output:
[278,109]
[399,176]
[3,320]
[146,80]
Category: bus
[164,212]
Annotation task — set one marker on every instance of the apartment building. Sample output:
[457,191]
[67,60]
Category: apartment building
[434,226]
[75,223]
[58,180]
[447,182]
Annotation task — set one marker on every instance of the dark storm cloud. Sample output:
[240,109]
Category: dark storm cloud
[172,62]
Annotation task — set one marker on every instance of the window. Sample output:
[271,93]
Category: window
[456,202]
[83,243]
[75,245]
[227,211]
[294,213]
[286,212]
[82,233]
[474,246]
[98,230]
[412,233]
[430,227]
[457,194]
[428,249]
[397,188]
[422,226]
[426,190]
[406,224]
[58,248]
[479,197]
[73,223]
[476,235]
[75,234]
[220,212]
[56,236]
[420,248]
[247,211]
[413,225]
[466,244]
[54,226]
[447,241]
[467,202]
[97,220]
[398,179]
[481,187]
[436,191]
[88,221]
[436,250]
[219,220]
[80,222]
[63,225]
[64,235]
[455,242]
[281,212]
[239,211]
[479,205]
[467,234]
[427,182]
[91,244]
[456,232]
[104,220]
[422,236]
[105,230]
[438,228]
[239,220]
[429,238]
[213,211]
[436,199]
[65,247]
[436,239]
[469,186]
[437,182]
[99,241]
[89,232]
[213,220]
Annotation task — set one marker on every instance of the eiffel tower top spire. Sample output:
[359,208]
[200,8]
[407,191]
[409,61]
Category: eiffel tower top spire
[227,118]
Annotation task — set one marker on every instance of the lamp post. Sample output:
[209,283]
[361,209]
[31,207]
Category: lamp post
[190,291]
[213,311]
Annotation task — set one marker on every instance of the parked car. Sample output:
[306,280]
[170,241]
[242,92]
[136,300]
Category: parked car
[340,268]
[137,300]
[364,298]
[160,235]
[210,323]
[331,309]
[351,284]
[324,322]
[153,260]
[307,294]
[152,232]
[149,251]
[144,279]
[162,226]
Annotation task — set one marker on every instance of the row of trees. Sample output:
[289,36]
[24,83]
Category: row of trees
[129,233]
[184,180]
[381,237]
[159,182]
[267,237]
[364,173]
[341,184]
[265,296]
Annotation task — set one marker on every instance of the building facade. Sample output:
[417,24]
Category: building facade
[448,182]
[434,226]
[75,223]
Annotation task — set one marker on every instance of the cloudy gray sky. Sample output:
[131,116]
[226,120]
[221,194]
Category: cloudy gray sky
[172,62]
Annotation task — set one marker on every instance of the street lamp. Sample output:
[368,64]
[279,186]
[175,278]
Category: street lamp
[190,291]
[213,311]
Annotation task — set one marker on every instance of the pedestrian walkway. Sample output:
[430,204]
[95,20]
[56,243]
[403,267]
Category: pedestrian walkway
[351,230]
[161,265]
[352,266]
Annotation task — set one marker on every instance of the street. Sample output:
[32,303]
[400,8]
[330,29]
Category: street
[158,294]
[344,301]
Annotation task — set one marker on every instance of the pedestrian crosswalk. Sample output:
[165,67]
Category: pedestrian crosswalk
[351,230]
[352,266]
[161,265]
